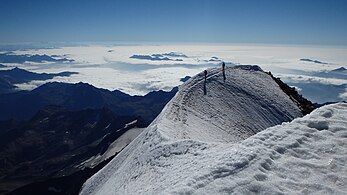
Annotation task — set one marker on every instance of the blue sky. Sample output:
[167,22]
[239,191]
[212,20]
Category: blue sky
[223,21]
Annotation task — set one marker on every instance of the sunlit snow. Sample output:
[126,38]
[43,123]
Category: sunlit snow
[183,152]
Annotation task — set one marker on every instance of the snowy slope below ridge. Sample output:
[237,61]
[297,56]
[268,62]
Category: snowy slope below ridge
[193,129]
[305,156]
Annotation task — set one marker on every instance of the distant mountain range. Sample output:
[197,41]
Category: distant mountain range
[23,105]
[171,56]
[17,75]
[339,73]
[321,92]
[313,61]
[22,58]
[8,78]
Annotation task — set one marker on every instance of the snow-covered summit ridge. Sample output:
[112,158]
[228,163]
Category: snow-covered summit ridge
[194,129]
[247,102]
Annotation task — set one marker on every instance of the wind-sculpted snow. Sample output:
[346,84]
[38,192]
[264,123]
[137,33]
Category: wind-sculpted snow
[203,144]
[306,156]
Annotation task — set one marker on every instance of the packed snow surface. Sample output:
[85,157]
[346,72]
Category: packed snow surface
[205,144]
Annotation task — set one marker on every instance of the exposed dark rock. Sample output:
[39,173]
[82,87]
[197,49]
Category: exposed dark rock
[305,105]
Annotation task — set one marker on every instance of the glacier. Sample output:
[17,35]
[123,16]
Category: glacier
[235,139]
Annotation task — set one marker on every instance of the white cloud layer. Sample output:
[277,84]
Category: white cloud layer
[112,68]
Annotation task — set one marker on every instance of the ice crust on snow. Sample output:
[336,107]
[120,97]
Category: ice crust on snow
[205,144]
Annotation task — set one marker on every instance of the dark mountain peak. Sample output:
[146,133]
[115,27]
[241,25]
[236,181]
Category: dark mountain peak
[249,67]
[18,70]
[156,93]
[84,84]
[73,89]
[184,79]
[50,85]
[58,86]
[341,69]
[160,92]
[87,88]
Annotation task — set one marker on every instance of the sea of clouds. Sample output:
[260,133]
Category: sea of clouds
[137,69]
